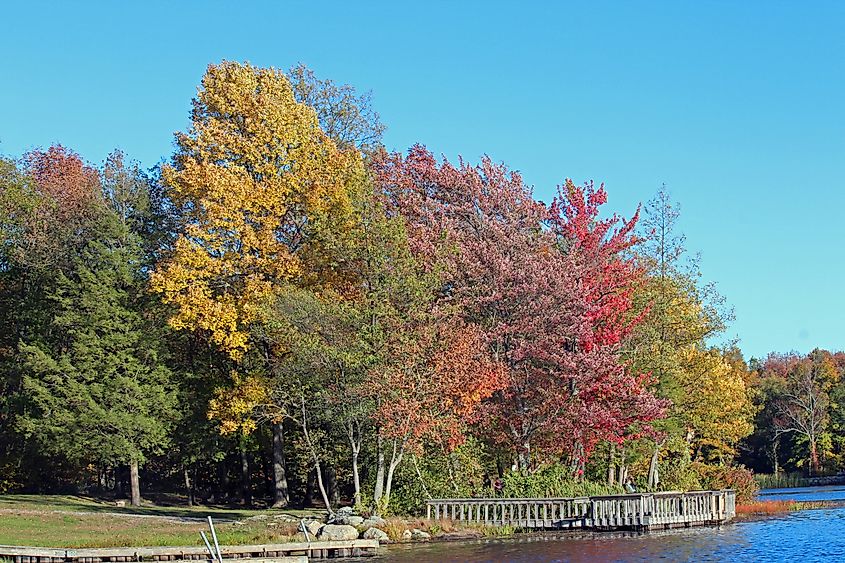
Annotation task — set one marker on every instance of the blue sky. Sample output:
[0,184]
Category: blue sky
[736,106]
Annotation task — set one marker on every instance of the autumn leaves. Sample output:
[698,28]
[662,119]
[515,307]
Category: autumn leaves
[469,306]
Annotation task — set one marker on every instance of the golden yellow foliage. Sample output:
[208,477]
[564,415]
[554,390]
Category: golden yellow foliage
[260,187]
[715,403]
[234,407]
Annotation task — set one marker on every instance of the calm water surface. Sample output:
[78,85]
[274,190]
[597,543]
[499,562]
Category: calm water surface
[810,535]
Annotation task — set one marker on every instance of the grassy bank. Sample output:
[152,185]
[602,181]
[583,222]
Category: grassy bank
[68,521]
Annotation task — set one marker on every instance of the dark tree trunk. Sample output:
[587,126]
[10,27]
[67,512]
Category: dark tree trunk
[310,483]
[189,487]
[223,481]
[246,488]
[331,485]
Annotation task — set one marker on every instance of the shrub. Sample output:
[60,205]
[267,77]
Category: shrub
[553,481]
[739,478]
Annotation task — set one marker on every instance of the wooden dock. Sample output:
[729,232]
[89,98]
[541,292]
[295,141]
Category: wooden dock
[640,511]
[277,553]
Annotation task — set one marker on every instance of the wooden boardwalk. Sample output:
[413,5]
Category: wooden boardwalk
[640,511]
[282,552]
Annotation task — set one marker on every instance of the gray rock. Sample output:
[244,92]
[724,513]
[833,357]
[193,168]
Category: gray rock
[355,521]
[376,534]
[416,534]
[342,516]
[331,532]
[374,522]
[314,528]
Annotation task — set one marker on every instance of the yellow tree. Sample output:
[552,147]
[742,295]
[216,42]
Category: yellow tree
[714,405]
[264,195]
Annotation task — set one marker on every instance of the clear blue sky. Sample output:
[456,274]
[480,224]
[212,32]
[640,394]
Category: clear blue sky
[736,106]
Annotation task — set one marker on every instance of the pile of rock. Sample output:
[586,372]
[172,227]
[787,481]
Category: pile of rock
[346,525]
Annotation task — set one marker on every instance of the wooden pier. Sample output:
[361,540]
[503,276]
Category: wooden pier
[277,553]
[640,511]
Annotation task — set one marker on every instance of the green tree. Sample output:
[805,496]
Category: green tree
[97,386]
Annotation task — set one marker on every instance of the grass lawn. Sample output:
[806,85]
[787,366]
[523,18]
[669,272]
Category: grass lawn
[69,521]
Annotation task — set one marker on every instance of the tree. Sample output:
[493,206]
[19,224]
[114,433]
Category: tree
[348,118]
[97,387]
[264,194]
[679,316]
[47,201]
[602,248]
[803,405]
[715,403]
[506,274]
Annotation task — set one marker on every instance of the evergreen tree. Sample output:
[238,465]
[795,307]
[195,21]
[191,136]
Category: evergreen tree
[97,387]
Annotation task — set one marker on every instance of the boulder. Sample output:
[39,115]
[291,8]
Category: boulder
[331,532]
[341,516]
[415,534]
[314,528]
[376,534]
[374,522]
[355,521]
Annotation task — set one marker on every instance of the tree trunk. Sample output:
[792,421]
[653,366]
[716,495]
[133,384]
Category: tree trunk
[188,485]
[611,465]
[310,481]
[119,484]
[223,481]
[246,491]
[395,459]
[814,458]
[356,478]
[379,489]
[775,460]
[524,455]
[331,485]
[280,480]
[653,473]
[322,487]
[134,484]
[355,444]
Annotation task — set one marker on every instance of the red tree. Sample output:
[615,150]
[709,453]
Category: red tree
[61,176]
[600,246]
[543,312]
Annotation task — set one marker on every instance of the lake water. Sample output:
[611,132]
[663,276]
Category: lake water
[809,535]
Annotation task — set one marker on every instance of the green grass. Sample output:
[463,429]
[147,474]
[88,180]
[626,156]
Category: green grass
[69,521]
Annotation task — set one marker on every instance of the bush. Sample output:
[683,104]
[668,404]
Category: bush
[739,478]
[553,481]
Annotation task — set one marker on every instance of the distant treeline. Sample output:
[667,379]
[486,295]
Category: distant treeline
[289,313]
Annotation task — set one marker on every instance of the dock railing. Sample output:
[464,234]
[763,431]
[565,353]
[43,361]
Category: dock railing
[635,511]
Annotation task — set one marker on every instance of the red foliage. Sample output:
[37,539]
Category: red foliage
[61,176]
[599,246]
[552,320]
[434,387]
